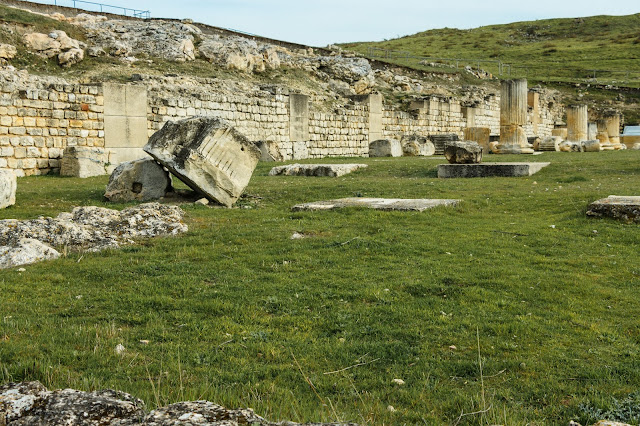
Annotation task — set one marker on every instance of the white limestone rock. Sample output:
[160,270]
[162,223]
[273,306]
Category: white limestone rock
[139,180]
[322,170]
[7,51]
[417,146]
[463,152]
[385,148]
[84,162]
[207,154]
[24,252]
[8,186]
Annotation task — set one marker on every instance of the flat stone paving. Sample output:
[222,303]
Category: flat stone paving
[330,170]
[626,209]
[378,204]
[489,170]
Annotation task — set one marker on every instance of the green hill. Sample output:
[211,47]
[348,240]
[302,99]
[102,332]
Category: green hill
[544,50]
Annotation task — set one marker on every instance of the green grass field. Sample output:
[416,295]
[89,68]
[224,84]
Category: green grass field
[237,313]
[550,50]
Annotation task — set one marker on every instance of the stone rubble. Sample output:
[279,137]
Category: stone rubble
[25,251]
[96,228]
[57,43]
[30,403]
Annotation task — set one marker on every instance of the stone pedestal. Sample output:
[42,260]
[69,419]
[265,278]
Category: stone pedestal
[513,116]
[577,123]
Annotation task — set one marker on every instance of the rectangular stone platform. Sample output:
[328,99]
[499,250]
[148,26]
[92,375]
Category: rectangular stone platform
[626,209]
[378,204]
[489,170]
[329,170]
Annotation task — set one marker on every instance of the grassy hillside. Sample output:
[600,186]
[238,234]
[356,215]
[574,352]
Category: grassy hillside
[238,313]
[552,49]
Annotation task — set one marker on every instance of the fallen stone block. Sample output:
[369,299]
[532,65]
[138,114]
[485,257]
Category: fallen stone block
[139,180]
[328,170]
[625,209]
[377,204]
[25,251]
[592,146]
[489,170]
[568,146]
[269,151]
[385,148]
[463,152]
[208,155]
[8,186]
[550,143]
[417,146]
[84,162]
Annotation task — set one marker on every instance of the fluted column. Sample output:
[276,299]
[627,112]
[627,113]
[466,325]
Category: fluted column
[612,121]
[513,116]
[577,123]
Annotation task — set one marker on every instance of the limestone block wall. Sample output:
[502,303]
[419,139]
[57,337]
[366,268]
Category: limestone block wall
[343,133]
[38,119]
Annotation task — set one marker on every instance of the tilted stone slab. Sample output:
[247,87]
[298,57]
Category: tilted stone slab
[8,185]
[328,170]
[207,154]
[489,170]
[626,209]
[377,204]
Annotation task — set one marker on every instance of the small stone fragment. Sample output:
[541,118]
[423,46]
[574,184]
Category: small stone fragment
[202,202]
[398,382]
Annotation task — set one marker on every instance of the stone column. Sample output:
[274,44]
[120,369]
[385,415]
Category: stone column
[602,134]
[577,123]
[612,123]
[299,125]
[513,116]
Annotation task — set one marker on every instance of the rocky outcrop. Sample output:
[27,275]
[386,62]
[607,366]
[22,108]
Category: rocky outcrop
[57,43]
[30,403]
[463,152]
[96,228]
[139,180]
[207,154]
[8,186]
[25,251]
[7,51]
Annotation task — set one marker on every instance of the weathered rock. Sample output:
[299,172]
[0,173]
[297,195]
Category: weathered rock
[591,146]
[42,44]
[377,204]
[96,228]
[8,186]
[385,148]
[139,180]
[269,151]
[30,403]
[568,146]
[489,170]
[463,152]
[25,251]
[96,51]
[188,50]
[625,209]
[207,154]
[7,51]
[83,162]
[330,170]
[70,57]
[416,145]
[636,146]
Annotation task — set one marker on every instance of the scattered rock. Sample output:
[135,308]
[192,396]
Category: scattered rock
[84,162]
[398,382]
[7,51]
[463,152]
[207,154]
[96,228]
[202,202]
[139,180]
[96,51]
[70,57]
[385,148]
[30,403]
[8,186]
[416,145]
[120,349]
[330,170]
[57,43]
[25,251]
[568,146]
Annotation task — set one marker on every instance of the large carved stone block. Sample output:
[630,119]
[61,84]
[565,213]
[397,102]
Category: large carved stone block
[207,154]
[385,148]
[8,184]
[463,152]
[84,162]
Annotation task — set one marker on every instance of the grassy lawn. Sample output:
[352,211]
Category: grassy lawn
[237,313]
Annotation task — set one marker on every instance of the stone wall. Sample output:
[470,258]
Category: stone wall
[40,116]
[38,119]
